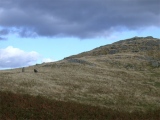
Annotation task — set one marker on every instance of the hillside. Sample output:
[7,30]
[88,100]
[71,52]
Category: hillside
[137,53]
[132,45]
[124,76]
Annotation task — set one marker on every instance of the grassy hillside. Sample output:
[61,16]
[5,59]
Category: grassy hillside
[124,80]
[132,45]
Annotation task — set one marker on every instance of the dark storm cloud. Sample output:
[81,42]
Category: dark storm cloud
[79,18]
[4,32]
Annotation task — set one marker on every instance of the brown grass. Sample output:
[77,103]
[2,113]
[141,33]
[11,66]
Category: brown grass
[17,106]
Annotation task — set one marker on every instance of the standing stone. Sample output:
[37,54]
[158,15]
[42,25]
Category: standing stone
[23,69]
[35,70]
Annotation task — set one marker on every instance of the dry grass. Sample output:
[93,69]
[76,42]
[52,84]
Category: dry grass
[105,84]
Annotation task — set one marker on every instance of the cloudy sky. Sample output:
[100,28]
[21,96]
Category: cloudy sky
[36,31]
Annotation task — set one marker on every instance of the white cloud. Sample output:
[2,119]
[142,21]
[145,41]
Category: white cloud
[47,60]
[11,57]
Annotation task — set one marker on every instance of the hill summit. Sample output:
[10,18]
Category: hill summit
[132,45]
[136,52]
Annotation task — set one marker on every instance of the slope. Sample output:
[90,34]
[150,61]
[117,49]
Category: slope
[128,79]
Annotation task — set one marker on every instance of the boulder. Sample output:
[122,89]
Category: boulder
[155,63]
[113,51]
[35,70]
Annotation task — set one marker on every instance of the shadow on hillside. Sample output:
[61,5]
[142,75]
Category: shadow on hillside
[16,106]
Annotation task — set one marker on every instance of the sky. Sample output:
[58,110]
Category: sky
[37,31]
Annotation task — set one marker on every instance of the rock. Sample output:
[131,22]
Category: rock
[73,60]
[124,47]
[155,63]
[135,51]
[23,69]
[35,70]
[152,43]
[149,37]
[113,51]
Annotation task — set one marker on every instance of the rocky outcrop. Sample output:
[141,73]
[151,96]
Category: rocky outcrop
[80,61]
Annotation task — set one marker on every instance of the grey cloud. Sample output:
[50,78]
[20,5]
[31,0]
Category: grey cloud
[79,18]
[4,32]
